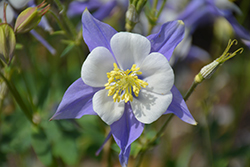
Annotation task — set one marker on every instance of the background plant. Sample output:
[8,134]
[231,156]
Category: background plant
[33,82]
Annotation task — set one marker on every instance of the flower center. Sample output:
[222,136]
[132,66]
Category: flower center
[122,83]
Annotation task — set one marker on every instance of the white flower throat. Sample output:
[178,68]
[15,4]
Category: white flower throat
[122,83]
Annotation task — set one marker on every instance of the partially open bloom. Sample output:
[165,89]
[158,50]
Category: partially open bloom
[207,71]
[126,80]
[30,18]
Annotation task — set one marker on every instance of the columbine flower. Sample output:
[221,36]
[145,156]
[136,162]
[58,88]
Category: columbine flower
[138,78]
[126,80]
[203,12]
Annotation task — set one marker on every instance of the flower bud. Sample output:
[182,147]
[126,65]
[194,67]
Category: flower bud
[132,14]
[7,42]
[131,18]
[30,18]
[207,71]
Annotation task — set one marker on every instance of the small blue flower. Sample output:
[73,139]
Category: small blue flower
[101,9]
[126,80]
[204,12]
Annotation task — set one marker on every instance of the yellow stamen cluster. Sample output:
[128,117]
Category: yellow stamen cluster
[122,83]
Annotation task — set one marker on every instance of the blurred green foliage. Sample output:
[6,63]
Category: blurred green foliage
[220,106]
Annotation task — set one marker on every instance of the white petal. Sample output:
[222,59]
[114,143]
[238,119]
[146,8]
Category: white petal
[95,67]
[129,49]
[149,106]
[183,47]
[227,5]
[106,108]
[157,72]
[9,13]
[18,4]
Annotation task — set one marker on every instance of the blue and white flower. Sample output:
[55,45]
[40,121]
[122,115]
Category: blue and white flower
[126,80]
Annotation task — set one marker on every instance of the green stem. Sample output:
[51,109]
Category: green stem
[70,30]
[162,129]
[18,99]
[208,143]
[155,15]
[59,23]
[152,142]
[28,92]
[150,28]
[155,6]
[139,159]
[161,9]
[65,18]
[190,91]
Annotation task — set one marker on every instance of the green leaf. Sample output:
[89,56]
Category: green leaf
[67,49]
[19,46]
[64,144]
[67,150]
[135,148]
[21,139]
[26,110]
[185,156]
[58,33]
[43,93]
[7,42]
[42,147]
